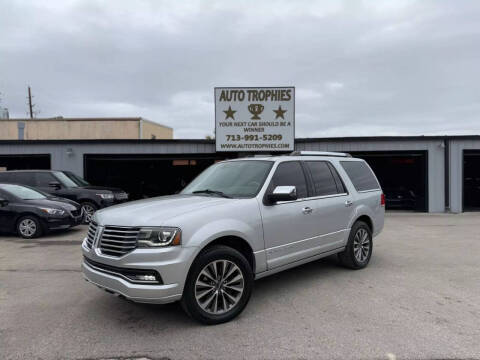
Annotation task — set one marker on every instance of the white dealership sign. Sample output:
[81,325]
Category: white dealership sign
[255,119]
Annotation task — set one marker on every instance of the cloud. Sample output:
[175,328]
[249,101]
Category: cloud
[375,68]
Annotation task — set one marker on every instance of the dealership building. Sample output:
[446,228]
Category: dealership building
[422,173]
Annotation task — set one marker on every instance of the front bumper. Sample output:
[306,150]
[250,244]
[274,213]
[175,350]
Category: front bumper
[54,223]
[172,264]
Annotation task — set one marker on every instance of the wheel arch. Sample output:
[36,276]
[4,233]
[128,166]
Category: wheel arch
[235,242]
[366,219]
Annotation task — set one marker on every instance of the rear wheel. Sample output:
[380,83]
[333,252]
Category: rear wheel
[29,227]
[88,209]
[218,286]
[359,247]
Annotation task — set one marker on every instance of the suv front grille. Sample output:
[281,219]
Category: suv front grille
[92,229]
[118,240]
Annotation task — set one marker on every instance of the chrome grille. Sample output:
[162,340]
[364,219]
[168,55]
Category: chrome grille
[92,229]
[118,240]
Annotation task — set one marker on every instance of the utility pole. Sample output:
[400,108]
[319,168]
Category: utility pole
[30,105]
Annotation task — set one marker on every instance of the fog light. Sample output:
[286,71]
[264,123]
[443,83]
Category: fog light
[145,277]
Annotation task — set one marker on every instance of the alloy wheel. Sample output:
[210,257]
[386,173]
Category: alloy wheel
[27,227]
[88,212]
[219,287]
[361,245]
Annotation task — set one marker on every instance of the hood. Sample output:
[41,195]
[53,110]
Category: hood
[101,188]
[155,211]
[56,203]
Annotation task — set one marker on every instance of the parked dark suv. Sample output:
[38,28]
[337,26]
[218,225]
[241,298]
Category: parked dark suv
[68,185]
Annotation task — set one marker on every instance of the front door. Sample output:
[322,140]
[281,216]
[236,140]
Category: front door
[290,227]
[7,213]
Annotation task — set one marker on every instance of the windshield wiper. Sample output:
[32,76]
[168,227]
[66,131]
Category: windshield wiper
[208,191]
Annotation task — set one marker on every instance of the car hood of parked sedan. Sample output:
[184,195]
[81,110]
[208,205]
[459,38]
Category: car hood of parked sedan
[101,188]
[155,211]
[54,203]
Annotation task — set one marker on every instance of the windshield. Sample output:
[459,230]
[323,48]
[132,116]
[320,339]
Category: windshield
[241,179]
[23,192]
[76,179]
[65,180]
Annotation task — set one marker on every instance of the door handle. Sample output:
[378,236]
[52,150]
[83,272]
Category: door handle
[348,203]
[307,210]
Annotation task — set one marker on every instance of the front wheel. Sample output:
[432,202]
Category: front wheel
[359,247]
[218,286]
[88,209]
[29,227]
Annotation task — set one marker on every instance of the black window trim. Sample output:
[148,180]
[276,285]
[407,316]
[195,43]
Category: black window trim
[333,168]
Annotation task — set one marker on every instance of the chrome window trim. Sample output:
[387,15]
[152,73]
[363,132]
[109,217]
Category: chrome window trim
[312,198]
[371,190]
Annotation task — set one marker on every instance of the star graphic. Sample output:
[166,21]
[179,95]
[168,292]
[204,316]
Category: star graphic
[279,112]
[229,113]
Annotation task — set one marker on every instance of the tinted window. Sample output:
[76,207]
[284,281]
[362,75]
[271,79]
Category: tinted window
[360,175]
[323,181]
[43,179]
[340,185]
[23,178]
[290,173]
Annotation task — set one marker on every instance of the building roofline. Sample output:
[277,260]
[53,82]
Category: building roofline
[212,141]
[155,123]
[61,118]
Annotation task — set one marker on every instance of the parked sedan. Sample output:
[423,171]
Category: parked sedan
[67,185]
[30,213]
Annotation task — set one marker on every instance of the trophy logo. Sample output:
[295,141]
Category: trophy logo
[255,109]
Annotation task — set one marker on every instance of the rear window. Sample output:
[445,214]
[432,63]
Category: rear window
[361,175]
[322,177]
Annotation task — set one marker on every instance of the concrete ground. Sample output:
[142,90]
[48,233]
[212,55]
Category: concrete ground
[418,299]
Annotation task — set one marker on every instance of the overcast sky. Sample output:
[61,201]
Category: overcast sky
[359,67]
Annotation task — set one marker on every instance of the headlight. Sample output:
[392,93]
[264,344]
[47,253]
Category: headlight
[53,211]
[106,196]
[159,237]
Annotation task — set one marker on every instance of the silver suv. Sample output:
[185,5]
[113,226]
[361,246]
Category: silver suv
[238,221]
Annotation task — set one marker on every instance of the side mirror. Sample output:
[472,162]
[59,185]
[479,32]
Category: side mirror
[55,185]
[3,202]
[283,193]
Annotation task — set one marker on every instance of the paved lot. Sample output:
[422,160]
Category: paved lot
[419,298]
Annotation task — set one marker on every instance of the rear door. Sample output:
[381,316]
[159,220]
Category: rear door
[333,205]
[22,178]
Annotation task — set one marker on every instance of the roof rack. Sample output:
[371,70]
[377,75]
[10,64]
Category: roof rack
[319,153]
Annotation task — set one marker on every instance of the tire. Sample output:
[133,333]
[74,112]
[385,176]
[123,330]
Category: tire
[88,206]
[353,258]
[29,227]
[217,301]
